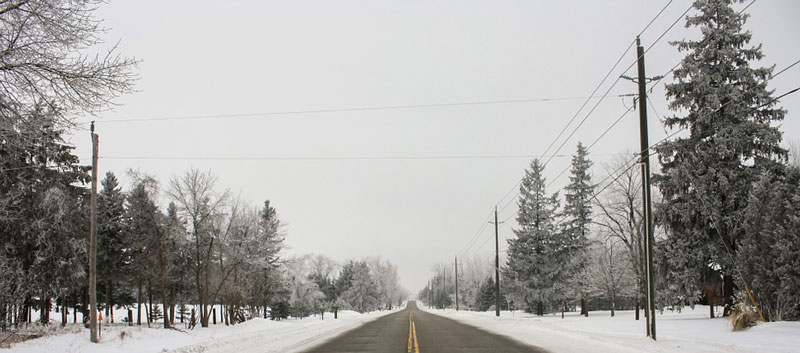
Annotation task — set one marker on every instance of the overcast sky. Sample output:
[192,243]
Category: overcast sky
[203,58]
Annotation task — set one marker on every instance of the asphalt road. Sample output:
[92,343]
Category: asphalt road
[414,330]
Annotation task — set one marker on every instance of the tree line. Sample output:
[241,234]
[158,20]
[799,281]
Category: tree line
[726,203]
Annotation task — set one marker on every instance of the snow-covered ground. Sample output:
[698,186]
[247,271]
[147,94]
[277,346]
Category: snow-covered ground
[689,331]
[257,335]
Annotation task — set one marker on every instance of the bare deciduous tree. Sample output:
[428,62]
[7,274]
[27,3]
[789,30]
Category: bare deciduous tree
[620,207]
[44,59]
[198,201]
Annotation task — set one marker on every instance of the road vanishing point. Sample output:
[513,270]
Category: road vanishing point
[416,331]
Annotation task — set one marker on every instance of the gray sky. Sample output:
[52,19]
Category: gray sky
[240,57]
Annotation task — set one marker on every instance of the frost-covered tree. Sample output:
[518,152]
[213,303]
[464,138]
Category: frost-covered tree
[706,178]
[41,210]
[362,295]
[111,227]
[609,273]
[150,246]
[472,274]
[265,256]
[537,255]
[386,281]
[201,206]
[304,294]
[770,256]
[487,294]
[577,219]
[620,216]
[44,45]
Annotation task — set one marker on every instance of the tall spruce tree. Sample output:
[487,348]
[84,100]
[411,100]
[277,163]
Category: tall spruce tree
[41,219]
[111,227]
[577,218]
[706,178]
[537,254]
[770,256]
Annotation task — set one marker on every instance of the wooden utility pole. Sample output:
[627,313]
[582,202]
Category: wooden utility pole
[496,265]
[93,332]
[456,283]
[646,201]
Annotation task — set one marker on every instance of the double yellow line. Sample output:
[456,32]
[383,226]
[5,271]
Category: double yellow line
[412,334]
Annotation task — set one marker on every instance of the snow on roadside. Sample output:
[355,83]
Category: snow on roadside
[689,331]
[256,335]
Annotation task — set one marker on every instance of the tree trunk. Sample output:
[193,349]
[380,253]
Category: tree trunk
[613,302]
[108,299]
[139,303]
[583,307]
[711,309]
[44,310]
[63,311]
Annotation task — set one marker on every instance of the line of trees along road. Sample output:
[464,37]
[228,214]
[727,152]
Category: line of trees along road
[727,204]
[204,249]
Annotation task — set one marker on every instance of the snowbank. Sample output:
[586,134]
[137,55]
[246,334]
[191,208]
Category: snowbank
[257,335]
[689,331]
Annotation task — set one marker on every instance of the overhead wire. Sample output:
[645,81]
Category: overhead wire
[597,88]
[342,110]
[651,149]
[313,158]
[574,130]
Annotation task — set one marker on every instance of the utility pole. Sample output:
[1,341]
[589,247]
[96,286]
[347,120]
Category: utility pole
[496,266]
[456,283]
[444,287]
[646,201]
[93,332]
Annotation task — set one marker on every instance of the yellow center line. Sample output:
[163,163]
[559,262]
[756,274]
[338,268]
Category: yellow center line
[414,328]
[410,327]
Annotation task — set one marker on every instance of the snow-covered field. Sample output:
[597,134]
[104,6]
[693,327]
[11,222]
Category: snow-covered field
[257,335]
[689,331]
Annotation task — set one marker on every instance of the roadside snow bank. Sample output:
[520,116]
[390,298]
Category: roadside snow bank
[256,335]
[689,331]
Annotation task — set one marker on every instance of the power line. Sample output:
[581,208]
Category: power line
[654,18]
[341,110]
[652,146]
[606,93]
[785,68]
[625,52]
[334,158]
[476,236]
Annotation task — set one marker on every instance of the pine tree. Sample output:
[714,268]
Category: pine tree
[41,204]
[706,178]
[577,218]
[537,255]
[485,299]
[111,227]
[770,256]
[362,294]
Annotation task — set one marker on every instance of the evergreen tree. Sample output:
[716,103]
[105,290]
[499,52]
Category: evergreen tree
[362,294]
[111,226]
[345,279]
[42,226]
[706,178]
[577,218]
[537,255]
[270,233]
[485,298]
[770,256]
[147,243]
